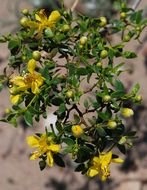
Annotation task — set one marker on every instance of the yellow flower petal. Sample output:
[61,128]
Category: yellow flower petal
[103,177]
[31,66]
[54,148]
[54,17]
[92,172]
[32,24]
[50,160]
[96,160]
[35,155]
[34,87]
[16,78]
[117,160]
[39,79]
[15,99]
[106,158]
[41,16]
[33,141]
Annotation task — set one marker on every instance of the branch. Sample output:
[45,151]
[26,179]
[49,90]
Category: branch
[136,4]
[108,26]
[74,5]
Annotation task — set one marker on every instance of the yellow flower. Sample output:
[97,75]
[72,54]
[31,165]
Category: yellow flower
[101,165]
[31,80]
[15,99]
[42,21]
[77,130]
[45,146]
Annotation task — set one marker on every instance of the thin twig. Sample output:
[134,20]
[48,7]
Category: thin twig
[136,4]
[108,26]
[74,5]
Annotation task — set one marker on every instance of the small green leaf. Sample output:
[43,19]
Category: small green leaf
[121,148]
[14,44]
[28,118]
[76,118]
[101,131]
[136,88]
[83,154]
[68,141]
[61,109]
[119,86]
[117,94]
[42,165]
[57,101]
[129,55]
[1,87]
[58,160]
[80,168]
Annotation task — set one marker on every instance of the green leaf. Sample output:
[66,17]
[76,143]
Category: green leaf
[76,118]
[136,17]
[58,160]
[1,87]
[42,165]
[68,141]
[131,133]
[61,109]
[119,86]
[101,131]
[82,71]
[121,148]
[59,127]
[117,94]
[57,101]
[28,118]
[83,154]
[129,55]
[67,150]
[14,44]
[136,88]
[104,116]
[80,168]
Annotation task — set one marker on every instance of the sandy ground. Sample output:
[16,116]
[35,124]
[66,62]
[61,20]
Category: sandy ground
[18,173]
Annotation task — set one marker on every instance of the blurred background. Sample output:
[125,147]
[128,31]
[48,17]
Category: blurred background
[16,171]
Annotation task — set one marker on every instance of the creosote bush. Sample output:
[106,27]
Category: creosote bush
[90,120]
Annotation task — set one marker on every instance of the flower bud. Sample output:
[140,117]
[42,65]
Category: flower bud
[123,15]
[7,110]
[103,21]
[126,38]
[65,28]
[36,55]
[112,124]
[127,112]
[106,98]
[83,40]
[104,54]
[122,140]
[25,12]
[138,98]
[123,5]
[77,131]
[69,94]
[23,22]
[99,64]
